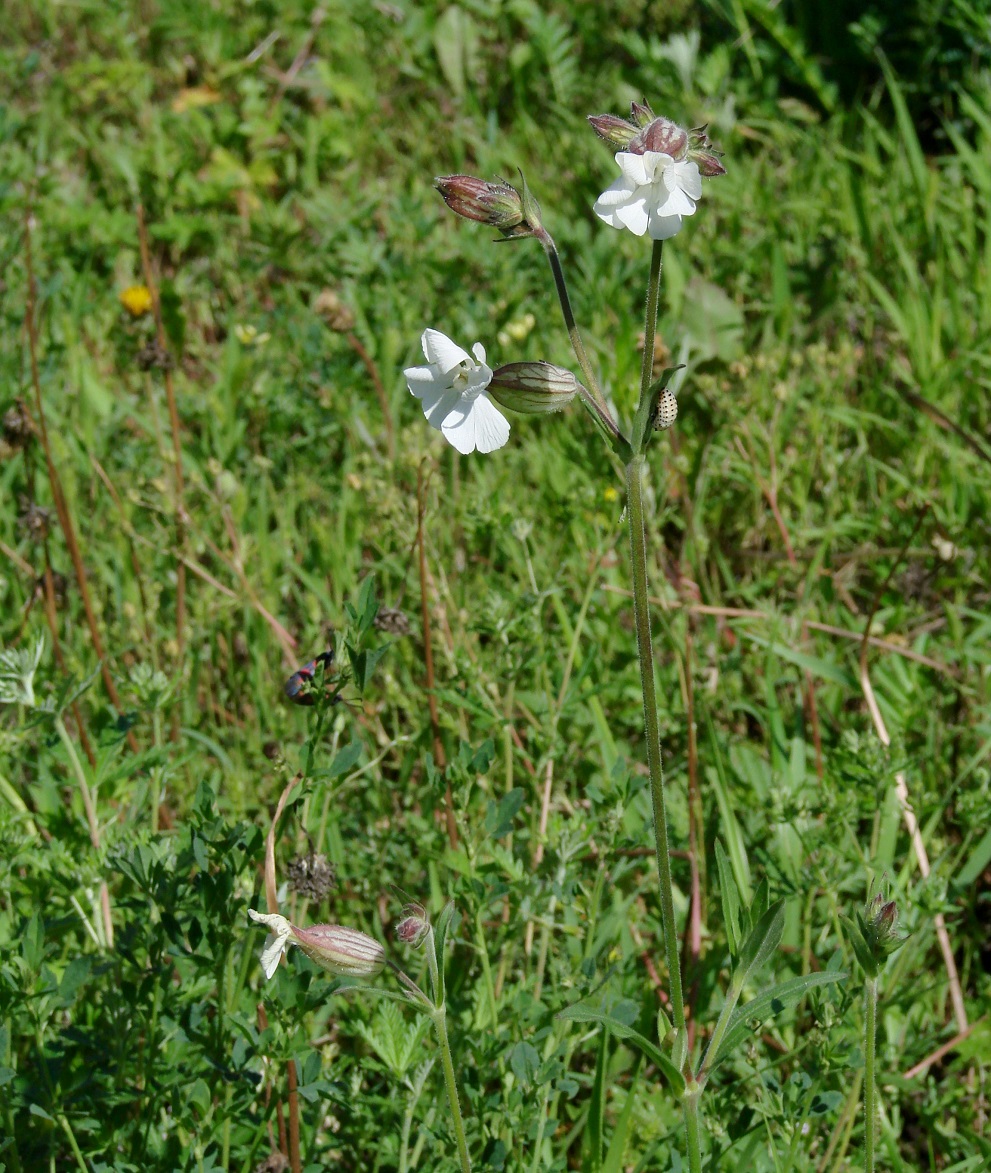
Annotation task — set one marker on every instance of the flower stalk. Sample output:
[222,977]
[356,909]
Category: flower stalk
[439,1016]
[870,1076]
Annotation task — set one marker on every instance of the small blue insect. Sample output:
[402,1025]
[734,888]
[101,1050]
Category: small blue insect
[297,687]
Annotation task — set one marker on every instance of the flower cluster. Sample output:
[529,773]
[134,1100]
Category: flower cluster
[661,169]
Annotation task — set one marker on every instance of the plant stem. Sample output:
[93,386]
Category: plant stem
[692,1131]
[641,613]
[550,248]
[77,769]
[650,323]
[440,1022]
[870,1083]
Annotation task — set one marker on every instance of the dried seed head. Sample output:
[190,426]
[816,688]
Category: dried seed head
[311,876]
[392,621]
[338,316]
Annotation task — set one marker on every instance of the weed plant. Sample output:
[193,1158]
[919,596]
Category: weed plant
[827,479]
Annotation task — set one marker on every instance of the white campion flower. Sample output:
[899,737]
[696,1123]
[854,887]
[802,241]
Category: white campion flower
[452,391]
[652,194]
[343,951]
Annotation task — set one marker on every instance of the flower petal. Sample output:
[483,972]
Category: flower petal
[441,403]
[439,349]
[609,205]
[633,168]
[478,350]
[663,227]
[277,943]
[480,425]
[421,380]
[689,178]
[491,426]
[634,215]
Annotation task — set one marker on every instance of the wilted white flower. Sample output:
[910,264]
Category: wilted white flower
[452,390]
[343,951]
[652,194]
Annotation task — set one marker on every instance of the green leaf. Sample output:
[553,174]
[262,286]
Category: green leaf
[617,1145]
[364,663]
[524,1060]
[730,900]
[345,759]
[581,1013]
[499,816]
[760,944]
[768,1004]
[979,859]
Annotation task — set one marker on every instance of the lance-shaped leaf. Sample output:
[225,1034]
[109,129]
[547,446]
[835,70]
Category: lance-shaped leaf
[760,943]
[581,1013]
[766,1005]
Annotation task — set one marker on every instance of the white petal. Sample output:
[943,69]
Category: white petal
[611,204]
[442,404]
[478,350]
[675,203]
[276,944]
[480,426]
[421,380]
[689,179]
[663,227]
[633,168]
[439,349]
[491,426]
[655,164]
[634,216]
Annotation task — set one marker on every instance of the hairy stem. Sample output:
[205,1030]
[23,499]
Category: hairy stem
[692,1128]
[440,1022]
[870,1079]
[641,613]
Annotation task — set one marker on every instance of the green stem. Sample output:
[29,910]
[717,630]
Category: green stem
[641,614]
[870,1084]
[692,1130]
[77,769]
[591,393]
[650,325]
[440,1022]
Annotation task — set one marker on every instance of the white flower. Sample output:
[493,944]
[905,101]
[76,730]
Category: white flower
[452,391]
[340,950]
[277,943]
[652,194]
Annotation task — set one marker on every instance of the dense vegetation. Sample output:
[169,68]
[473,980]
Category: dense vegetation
[829,471]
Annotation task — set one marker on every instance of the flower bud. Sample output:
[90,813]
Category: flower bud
[617,132]
[873,937]
[533,388]
[497,204]
[641,114]
[700,151]
[662,136]
[413,928]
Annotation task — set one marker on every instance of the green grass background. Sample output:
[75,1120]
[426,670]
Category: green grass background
[832,302]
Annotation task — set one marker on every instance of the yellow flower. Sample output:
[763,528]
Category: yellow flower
[610,494]
[136,299]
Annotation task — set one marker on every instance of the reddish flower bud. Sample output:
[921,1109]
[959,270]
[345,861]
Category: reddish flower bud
[663,137]
[641,115]
[497,204]
[617,132]
[413,928]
